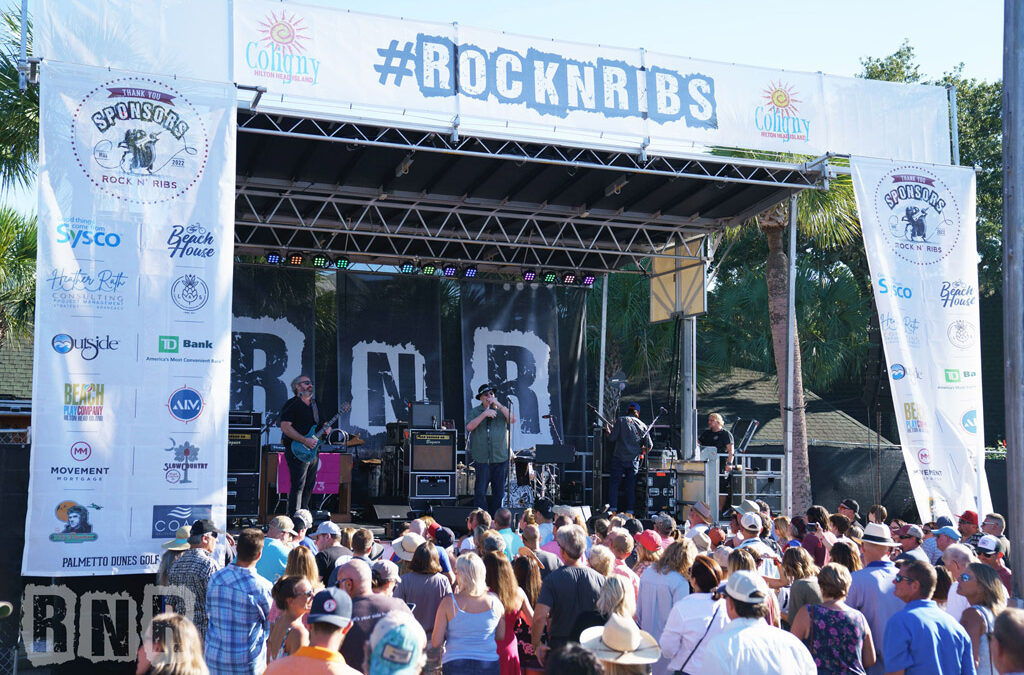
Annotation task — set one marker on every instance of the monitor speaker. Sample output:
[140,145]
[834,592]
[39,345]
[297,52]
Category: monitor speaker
[453,517]
[390,511]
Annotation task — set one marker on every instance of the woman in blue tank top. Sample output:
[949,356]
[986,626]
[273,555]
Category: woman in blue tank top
[469,623]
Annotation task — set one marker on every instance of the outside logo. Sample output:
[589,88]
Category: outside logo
[190,241]
[76,288]
[189,292]
[167,519]
[912,415]
[898,371]
[919,215]
[185,404]
[139,140]
[88,347]
[185,458]
[81,451]
[962,334]
[778,116]
[969,421]
[924,456]
[280,53]
[957,294]
[74,527]
[83,402]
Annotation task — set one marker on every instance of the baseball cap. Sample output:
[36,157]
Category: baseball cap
[204,526]
[990,544]
[633,406]
[302,519]
[751,522]
[649,539]
[544,507]
[333,606]
[852,505]
[969,517]
[396,645]
[444,537]
[910,531]
[384,570]
[746,587]
[327,527]
[948,531]
[944,521]
[282,523]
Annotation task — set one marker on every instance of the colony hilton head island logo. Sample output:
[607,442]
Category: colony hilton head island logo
[280,52]
[918,215]
[139,140]
[778,116]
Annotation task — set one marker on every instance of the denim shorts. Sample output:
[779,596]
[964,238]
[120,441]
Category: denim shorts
[471,667]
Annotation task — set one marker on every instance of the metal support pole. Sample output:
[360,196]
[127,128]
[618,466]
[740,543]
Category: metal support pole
[787,497]
[954,125]
[688,394]
[23,54]
[1013,272]
[604,342]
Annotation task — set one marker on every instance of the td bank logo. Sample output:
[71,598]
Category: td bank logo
[172,344]
[957,376]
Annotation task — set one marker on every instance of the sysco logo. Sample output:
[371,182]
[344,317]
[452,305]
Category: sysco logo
[887,287]
[67,235]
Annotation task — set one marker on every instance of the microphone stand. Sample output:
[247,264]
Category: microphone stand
[507,500]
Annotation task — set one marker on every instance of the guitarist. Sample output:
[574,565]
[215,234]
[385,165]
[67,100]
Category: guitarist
[631,438]
[299,416]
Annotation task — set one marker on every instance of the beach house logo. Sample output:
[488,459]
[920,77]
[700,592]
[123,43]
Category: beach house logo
[189,292]
[185,404]
[140,140]
[184,458]
[957,294]
[83,402]
[168,518]
[778,115]
[919,214]
[280,53]
[74,526]
[192,241]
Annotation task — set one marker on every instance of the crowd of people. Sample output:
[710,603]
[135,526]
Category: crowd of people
[549,592]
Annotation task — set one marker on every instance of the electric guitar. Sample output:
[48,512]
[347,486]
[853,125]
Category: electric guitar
[306,454]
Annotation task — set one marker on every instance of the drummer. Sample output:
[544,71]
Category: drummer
[488,447]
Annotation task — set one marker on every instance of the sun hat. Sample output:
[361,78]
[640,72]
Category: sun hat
[406,545]
[484,389]
[703,509]
[620,641]
[396,645]
[878,533]
[702,541]
[180,541]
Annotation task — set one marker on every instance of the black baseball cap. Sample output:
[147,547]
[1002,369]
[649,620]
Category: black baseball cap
[852,505]
[331,605]
[204,526]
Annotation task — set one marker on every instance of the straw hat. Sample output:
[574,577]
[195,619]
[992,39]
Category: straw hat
[406,545]
[621,642]
[180,541]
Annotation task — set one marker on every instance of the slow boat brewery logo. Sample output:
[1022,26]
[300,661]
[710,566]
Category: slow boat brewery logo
[918,215]
[184,458]
[139,140]
[280,52]
[74,527]
[779,116]
[83,402]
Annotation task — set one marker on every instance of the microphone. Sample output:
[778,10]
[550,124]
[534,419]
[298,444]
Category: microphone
[545,417]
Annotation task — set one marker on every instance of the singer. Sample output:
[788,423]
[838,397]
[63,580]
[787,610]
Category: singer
[300,414]
[488,447]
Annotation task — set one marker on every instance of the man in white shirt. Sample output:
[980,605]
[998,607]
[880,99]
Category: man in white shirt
[956,558]
[700,519]
[750,528]
[748,644]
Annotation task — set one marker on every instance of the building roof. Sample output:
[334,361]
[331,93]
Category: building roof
[748,394]
[16,369]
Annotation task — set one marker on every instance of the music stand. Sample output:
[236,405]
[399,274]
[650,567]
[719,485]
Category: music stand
[548,453]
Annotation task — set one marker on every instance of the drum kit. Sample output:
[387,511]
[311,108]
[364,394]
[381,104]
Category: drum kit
[528,484]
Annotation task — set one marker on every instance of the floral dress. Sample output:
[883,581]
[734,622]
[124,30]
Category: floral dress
[836,639]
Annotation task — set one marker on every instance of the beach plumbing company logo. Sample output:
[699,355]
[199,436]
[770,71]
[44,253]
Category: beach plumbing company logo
[139,140]
[778,116]
[189,292]
[280,52]
[185,404]
[919,215]
[88,347]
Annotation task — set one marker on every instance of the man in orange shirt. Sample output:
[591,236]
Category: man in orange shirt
[329,621]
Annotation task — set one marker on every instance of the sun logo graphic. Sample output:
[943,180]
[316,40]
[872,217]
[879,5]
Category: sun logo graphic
[778,116]
[280,51]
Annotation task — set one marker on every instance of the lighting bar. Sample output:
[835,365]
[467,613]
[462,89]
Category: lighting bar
[529,275]
[295,259]
[449,270]
[273,258]
[550,277]
[469,272]
[408,267]
[588,280]
[321,260]
[569,278]
[429,269]
[341,263]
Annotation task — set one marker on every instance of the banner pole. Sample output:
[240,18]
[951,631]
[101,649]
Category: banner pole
[790,357]
[1013,273]
[604,338]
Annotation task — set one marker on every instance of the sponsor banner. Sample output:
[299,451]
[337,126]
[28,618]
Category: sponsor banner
[132,339]
[389,351]
[510,340]
[919,233]
[325,62]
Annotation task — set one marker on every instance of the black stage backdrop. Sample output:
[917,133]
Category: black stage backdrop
[510,339]
[271,336]
[389,350]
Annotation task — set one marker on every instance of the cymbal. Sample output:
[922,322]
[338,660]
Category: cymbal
[354,441]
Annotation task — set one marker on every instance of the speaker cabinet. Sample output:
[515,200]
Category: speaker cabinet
[432,451]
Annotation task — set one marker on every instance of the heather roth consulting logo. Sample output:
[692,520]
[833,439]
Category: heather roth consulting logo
[918,214]
[140,140]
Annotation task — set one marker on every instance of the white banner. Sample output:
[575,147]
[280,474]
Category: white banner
[133,317]
[323,62]
[919,234]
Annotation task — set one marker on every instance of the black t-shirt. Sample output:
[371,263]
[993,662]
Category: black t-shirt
[720,439]
[299,414]
[366,612]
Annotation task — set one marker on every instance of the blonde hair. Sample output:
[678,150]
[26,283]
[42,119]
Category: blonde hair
[716,417]
[834,581]
[740,560]
[645,555]
[677,558]
[346,537]
[601,559]
[617,597]
[470,574]
[797,563]
[988,580]
[528,517]
[181,651]
[301,563]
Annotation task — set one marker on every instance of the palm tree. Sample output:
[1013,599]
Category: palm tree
[19,110]
[17,273]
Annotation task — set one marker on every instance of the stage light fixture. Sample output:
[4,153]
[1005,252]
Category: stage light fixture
[550,277]
[429,269]
[408,267]
[341,263]
[469,272]
[295,259]
[273,258]
[588,280]
[321,260]
[449,270]
[569,278]
[529,275]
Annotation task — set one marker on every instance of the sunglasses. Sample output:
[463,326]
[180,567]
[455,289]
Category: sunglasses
[965,577]
[309,594]
[900,579]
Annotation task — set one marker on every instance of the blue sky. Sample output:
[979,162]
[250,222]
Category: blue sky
[821,35]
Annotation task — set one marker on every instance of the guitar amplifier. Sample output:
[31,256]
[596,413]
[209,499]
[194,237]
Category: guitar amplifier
[432,485]
[432,451]
[243,450]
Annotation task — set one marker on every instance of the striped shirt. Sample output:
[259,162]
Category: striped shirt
[238,602]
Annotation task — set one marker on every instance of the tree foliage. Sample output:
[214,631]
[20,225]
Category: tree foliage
[19,111]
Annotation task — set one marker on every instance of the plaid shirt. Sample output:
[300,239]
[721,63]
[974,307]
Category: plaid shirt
[193,571]
[238,601]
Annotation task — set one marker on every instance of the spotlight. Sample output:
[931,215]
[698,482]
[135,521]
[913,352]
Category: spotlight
[469,272]
[341,263]
[295,259]
[408,267]
[273,258]
[550,277]
[321,260]
[588,280]
[429,269]
[529,275]
[449,270]
[569,278]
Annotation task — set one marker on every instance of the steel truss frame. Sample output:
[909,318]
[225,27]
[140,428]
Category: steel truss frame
[387,225]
